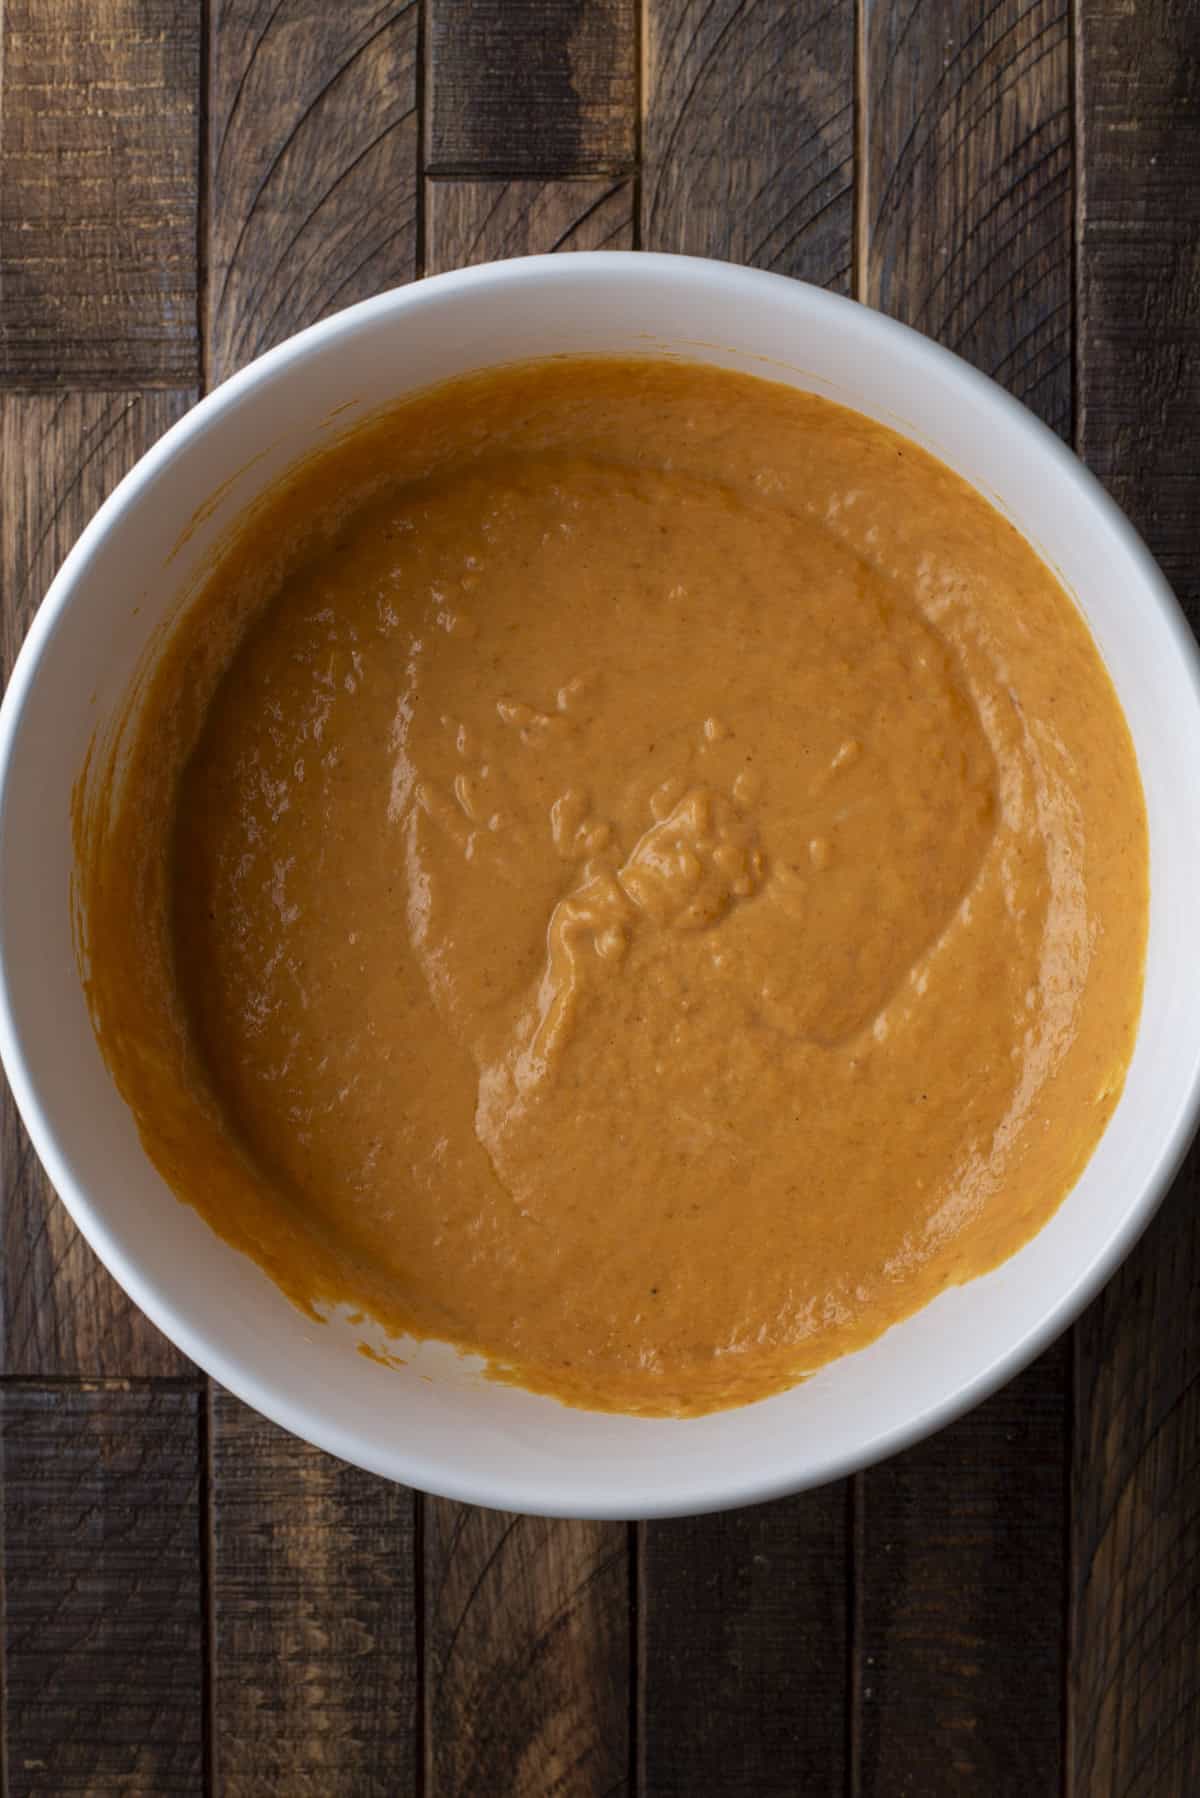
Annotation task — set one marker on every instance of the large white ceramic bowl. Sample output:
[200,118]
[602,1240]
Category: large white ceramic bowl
[437,1424]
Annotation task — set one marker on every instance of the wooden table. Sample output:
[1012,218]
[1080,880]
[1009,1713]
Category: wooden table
[193,1601]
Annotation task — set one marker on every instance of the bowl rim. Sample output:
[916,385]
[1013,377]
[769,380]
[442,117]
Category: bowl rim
[726,1487]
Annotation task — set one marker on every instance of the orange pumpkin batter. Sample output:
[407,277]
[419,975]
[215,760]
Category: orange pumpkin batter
[627,868]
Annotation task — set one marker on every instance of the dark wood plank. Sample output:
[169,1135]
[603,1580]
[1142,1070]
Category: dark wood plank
[313,147]
[1139,270]
[961,1639]
[526,1621]
[99,167]
[966,232]
[103,1645]
[748,146]
[749,133]
[1135,1673]
[314,1616]
[1135,1668]
[476,221]
[60,455]
[531,87]
[968,184]
[743,1632]
[527,1674]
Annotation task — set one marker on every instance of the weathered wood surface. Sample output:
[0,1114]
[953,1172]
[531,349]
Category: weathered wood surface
[1135,1669]
[743,1620]
[531,87]
[960,1632]
[527,1655]
[526,1621]
[196,1602]
[967,185]
[103,1589]
[312,203]
[312,183]
[313,1604]
[99,145]
[748,145]
[744,1632]
[484,221]
[965,231]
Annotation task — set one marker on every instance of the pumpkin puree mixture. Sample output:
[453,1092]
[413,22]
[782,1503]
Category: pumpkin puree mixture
[627,868]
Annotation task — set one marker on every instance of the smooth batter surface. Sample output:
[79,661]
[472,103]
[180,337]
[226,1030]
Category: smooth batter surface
[629,869]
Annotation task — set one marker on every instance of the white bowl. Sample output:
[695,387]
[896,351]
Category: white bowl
[437,1424]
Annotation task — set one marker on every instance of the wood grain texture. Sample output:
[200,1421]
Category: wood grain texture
[313,149]
[961,1637]
[527,1644]
[60,456]
[99,172]
[748,139]
[966,232]
[477,221]
[531,87]
[967,184]
[743,1629]
[749,134]
[1139,270]
[526,1620]
[103,1650]
[314,1619]
[1134,1696]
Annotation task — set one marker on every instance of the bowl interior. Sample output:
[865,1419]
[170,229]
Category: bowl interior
[436,1423]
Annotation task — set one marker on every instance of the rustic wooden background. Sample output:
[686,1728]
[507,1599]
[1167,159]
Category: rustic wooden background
[193,1601]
